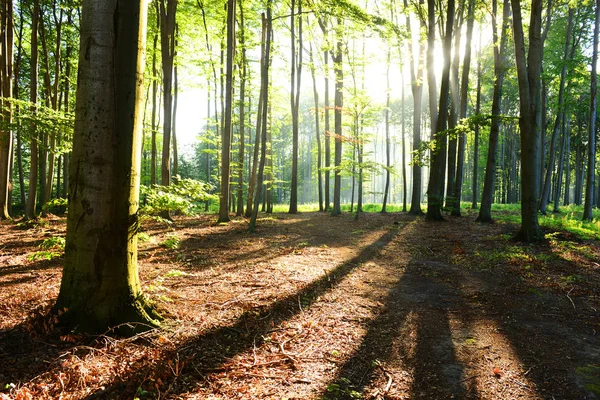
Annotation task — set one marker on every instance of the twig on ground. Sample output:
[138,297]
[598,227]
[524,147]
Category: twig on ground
[570,299]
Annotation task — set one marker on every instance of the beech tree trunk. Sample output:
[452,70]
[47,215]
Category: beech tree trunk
[435,189]
[559,116]
[528,73]
[416,85]
[167,44]
[500,68]
[30,209]
[339,104]
[464,101]
[317,130]
[227,125]
[100,287]
[591,161]
[267,24]
[295,81]
[6,136]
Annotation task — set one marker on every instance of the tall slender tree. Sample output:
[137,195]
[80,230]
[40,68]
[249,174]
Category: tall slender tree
[30,208]
[591,153]
[500,68]
[6,136]
[435,189]
[528,72]
[167,45]
[228,114]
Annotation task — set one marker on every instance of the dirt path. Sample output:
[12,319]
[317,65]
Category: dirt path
[315,307]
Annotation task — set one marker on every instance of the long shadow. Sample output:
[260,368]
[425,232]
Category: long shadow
[276,244]
[212,349]
[416,302]
[536,323]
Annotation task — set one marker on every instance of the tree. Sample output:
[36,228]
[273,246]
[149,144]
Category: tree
[416,85]
[267,27]
[591,164]
[500,68]
[6,138]
[435,188]
[295,80]
[464,98]
[528,72]
[559,115]
[339,104]
[227,126]
[100,287]
[167,46]
[30,209]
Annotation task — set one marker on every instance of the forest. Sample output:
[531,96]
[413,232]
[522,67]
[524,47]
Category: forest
[299,199]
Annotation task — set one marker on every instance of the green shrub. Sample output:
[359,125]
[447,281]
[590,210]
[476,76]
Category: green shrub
[185,196]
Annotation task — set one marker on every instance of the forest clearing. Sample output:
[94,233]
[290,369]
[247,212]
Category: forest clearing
[319,307]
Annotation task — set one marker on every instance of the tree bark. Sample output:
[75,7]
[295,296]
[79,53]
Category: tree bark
[500,68]
[100,286]
[30,209]
[227,125]
[464,101]
[264,89]
[167,44]
[559,116]
[416,85]
[435,195]
[528,73]
[6,136]
[317,130]
[295,80]
[339,104]
[591,161]
[242,144]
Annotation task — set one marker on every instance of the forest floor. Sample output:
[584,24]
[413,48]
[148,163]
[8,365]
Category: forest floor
[318,307]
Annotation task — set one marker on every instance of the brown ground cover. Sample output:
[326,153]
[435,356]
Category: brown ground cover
[316,307]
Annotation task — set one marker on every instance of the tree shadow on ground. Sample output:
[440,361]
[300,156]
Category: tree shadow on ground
[208,352]
[414,333]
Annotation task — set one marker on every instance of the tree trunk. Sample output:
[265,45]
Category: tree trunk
[154,151]
[416,85]
[436,180]
[559,116]
[475,187]
[317,130]
[454,111]
[591,161]
[30,209]
[243,73]
[500,68]
[175,97]
[388,161]
[227,126]
[167,44]
[264,96]
[528,73]
[100,287]
[464,101]
[6,136]
[339,104]
[295,80]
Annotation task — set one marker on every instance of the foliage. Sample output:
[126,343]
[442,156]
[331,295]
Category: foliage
[50,248]
[172,242]
[183,196]
[27,115]
[56,204]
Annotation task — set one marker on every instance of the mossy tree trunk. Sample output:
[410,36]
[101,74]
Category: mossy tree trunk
[100,286]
